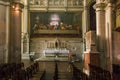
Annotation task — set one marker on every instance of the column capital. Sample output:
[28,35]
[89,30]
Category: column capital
[17,5]
[110,5]
[100,6]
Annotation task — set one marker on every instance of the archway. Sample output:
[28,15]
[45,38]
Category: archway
[92,17]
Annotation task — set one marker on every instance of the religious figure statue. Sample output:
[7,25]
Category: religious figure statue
[35,27]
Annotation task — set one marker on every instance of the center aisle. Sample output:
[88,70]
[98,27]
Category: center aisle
[64,70]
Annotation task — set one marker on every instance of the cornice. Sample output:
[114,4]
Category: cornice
[110,5]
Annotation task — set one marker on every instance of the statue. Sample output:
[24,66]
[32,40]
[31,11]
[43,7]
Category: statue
[35,27]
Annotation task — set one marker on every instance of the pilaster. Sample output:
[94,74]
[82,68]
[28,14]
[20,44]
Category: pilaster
[25,34]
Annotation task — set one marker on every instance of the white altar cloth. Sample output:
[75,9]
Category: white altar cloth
[56,52]
[65,51]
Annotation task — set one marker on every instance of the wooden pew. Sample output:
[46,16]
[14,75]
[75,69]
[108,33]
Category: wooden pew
[116,72]
[97,73]
[20,75]
[32,69]
[78,74]
[16,71]
[7,70]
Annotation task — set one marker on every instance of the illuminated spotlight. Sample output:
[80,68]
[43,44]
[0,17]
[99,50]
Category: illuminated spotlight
[118,57]
[54,19]
[13,6]
[16,6]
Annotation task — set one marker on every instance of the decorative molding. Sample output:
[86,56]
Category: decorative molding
[110,5]
[56,5]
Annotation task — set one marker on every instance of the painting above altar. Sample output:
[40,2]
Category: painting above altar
[55,23]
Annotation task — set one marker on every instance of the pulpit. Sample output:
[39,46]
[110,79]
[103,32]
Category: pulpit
[91,55]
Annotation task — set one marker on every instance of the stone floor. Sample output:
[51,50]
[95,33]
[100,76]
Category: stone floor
[64,70]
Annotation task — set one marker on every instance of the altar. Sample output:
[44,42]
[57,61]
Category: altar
[56,52]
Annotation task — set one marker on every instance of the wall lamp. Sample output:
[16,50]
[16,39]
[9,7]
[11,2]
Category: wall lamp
[17,6]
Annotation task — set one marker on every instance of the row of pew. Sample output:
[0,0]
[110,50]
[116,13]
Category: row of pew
[116,72]
[78,74]
[16,71]
[97,73]
[32,69]
[7,70]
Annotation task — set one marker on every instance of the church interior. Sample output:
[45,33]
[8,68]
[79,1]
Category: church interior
[59,39]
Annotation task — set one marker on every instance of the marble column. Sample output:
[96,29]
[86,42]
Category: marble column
[100,31]
[109,26]
[100,23]
[15,32]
